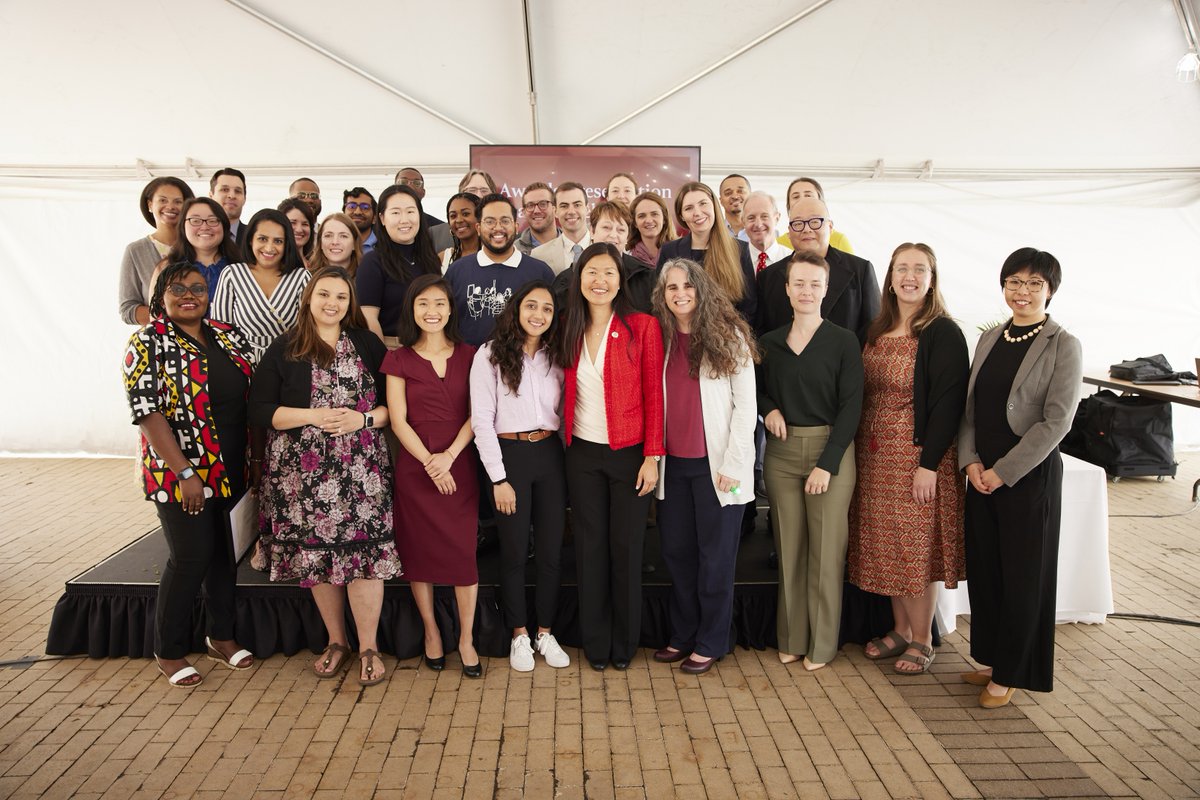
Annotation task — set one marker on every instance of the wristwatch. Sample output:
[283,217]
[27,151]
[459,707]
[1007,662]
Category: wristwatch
[368,421]
[186,473]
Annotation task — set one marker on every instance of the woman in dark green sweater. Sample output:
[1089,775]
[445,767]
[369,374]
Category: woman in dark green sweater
[810,396]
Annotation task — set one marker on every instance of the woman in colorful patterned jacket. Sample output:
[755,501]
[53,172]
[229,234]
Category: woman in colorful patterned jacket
[187,379]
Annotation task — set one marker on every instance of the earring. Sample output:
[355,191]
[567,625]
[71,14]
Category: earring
[891,289]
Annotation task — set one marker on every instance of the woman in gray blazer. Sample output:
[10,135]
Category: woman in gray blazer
[1021,399]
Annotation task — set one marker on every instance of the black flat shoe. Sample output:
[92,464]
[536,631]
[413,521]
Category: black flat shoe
[599,665]
[621,663]
[473,670]
[438,664]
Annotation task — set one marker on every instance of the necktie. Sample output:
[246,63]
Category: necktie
[762,263]
[575,251]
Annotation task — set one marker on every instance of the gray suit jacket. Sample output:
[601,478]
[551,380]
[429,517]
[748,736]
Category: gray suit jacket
[1041,404]
[552,253]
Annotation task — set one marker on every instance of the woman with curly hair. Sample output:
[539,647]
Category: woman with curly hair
[515,396]
[462,216]
[708,386]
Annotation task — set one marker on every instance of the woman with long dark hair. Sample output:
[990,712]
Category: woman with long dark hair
[261,295]
[186,378]
[205,242]
[906,525]
[326,511]
[403,251]
[1021,400]
[303,221]
[612,360]
[516,391]
[710,413]
[710,243]
[437,491]
[161,203]
[462,217]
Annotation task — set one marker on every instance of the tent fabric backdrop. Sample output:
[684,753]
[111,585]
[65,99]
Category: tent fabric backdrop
[1130,286]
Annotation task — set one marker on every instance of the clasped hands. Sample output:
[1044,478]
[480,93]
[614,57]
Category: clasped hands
[985,481]
[336,421]
[437,467]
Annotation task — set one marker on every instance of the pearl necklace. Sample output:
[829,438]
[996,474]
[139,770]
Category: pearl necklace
[1022,338]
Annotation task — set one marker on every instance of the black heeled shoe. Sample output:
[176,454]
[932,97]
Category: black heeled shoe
[437,664]
[473,670]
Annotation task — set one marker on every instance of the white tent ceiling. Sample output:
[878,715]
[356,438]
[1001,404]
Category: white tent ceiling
[1018,85]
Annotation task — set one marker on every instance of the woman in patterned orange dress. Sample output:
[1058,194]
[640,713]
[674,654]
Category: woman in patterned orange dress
[906,520]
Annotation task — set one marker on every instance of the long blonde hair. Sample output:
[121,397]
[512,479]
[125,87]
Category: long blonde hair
[889,307]
[721,260]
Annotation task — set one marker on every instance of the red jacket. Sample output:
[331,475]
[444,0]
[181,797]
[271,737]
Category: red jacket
[633,393]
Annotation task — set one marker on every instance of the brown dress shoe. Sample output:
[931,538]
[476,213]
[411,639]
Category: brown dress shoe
[669,656]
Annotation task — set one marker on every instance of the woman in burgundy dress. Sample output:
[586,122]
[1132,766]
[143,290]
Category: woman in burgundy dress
[437,492]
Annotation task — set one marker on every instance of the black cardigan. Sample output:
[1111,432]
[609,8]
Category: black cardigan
[939,389]
[279,381]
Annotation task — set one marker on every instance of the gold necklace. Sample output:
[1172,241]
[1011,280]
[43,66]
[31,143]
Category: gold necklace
[1022,338]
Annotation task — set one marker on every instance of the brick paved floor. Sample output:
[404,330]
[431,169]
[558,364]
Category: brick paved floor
[1123,720]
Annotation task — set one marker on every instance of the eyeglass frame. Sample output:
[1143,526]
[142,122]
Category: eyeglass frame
[1014,284]
[307,195]
[807,223]
[203,222]
[195,290]
[351,205]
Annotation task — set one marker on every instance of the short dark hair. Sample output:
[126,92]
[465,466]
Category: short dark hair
[237,173]
[609,208]
[356,191]
[496,197]
[733,175]
[150,188]
[568,186]
[1038,262]
[406,329]
[813,181]
[292,185]
[533,187]
[805,257]
[402,169]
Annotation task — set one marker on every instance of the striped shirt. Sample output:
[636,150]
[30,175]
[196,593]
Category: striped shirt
[240,301]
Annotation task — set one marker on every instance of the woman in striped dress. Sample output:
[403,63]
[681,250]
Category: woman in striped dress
[262,296]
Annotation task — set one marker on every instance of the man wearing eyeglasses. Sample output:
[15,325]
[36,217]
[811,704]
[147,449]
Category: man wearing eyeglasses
[571,212]
[359,205]
[538,205]
[852,300]
[439,231]
[306,191]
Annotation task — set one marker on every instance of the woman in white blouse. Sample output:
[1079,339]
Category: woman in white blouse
[262,296]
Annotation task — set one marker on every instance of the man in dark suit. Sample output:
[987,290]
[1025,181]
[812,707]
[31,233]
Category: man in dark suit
[228,187]
[853,297]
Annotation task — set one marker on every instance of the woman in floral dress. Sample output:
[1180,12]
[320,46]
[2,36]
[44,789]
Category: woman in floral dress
[326,512]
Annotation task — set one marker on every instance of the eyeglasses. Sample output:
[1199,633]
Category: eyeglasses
[307,195]
[814,224]
[540,205]
[358,206]
[201,222]
[196,289]
[416,183]
[1015,284]
[492,222]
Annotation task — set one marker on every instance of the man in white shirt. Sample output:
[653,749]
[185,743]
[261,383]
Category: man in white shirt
[733,191]
[760,215]
[571,211]
[228,187]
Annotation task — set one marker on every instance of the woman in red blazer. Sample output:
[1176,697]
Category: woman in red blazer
[612,358]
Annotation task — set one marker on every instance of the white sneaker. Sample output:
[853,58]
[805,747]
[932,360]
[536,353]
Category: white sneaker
[547,645]
[520,655]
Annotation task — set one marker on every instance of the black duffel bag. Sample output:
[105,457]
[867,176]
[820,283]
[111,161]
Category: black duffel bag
[1147,368]
[1127,435]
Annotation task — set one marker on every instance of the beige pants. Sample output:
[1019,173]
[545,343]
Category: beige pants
[810,537]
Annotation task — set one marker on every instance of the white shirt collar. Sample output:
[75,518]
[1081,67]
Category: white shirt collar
[484,258]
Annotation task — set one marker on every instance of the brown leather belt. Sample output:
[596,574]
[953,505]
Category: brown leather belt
[526,436]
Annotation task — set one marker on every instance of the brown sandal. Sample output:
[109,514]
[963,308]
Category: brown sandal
[371,680]
[922,661]
[332,668]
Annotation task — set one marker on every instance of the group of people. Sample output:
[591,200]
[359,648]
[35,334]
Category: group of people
[384,403]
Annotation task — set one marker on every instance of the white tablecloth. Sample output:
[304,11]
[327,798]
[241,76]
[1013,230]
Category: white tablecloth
[1084,581]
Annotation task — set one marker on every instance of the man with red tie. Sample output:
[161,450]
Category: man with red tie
[760,216]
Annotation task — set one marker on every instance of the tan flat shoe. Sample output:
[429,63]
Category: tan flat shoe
[977,678]
[812,666]
[989,700]
[787,658]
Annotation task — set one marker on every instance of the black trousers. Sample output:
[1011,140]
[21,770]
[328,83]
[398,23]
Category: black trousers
[535,471]
[699,544]
[201,553]
[608,520]
[1012,576]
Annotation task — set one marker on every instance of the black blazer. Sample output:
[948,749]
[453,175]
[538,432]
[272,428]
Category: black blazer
[682,248]
[279,381]
[939,389]
[852,300]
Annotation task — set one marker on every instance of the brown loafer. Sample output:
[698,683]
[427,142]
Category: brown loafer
[669,656]
[693,667]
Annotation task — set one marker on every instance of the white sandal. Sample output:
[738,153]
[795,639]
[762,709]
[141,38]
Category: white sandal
[233,662]
[182,675]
